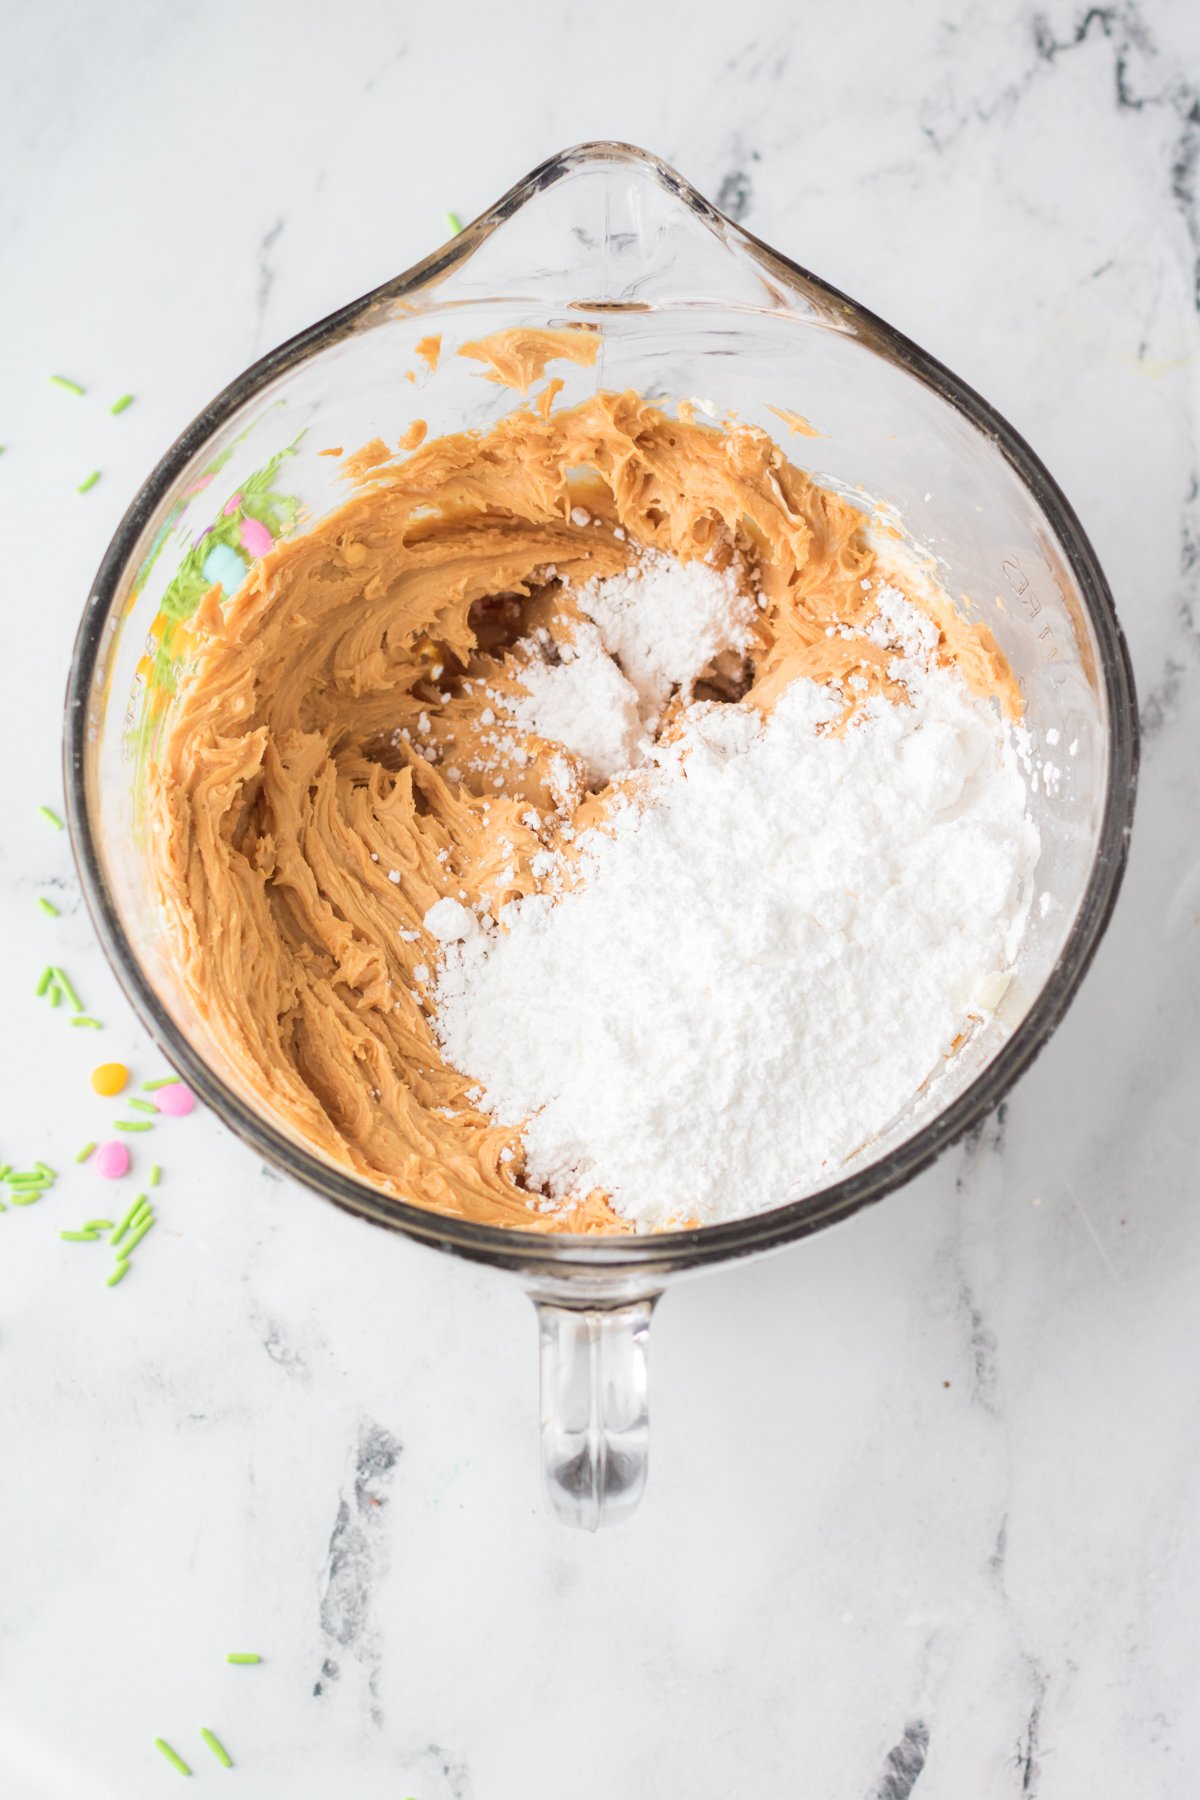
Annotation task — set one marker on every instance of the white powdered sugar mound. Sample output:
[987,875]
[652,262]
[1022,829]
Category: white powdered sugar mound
[665,621]
[584,703]
[656,627]
[773,946]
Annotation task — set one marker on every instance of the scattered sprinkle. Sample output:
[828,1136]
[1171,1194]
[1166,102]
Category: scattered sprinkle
[45,1169]
[55,993]
[217,1747]
[119,1274]
[119,406]
[67,385]
[25,1196]
[143,1105]
[109,1078]
[97,1224]
[453,225]
[48,906]
[49,813]
[112,1160]
[44,980]
[26,1178]
[148,1087]
[133,1125]
[176,1761]
[89,481]
[6,1170]
[143,1225]
[176,1101]
[86,1019]
[155,1174]
[131,1217]
[243,1656]
[80,1237]
[68,990]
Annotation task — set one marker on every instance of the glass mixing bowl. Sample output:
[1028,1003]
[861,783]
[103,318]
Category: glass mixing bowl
[689,306]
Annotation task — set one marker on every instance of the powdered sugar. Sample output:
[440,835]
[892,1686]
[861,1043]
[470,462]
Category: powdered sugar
[665,621]
[584,703]
[449,920]
[774,943]
[655,627]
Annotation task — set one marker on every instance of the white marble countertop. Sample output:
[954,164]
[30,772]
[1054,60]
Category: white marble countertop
[923,1509]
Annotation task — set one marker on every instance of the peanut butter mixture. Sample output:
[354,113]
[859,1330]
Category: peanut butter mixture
[332,769]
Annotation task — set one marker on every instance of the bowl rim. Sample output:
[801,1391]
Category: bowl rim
[620,1259]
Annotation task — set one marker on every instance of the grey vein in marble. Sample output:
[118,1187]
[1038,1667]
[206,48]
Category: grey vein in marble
[357,1560]
[266,271]
[904,1763]
[735,196]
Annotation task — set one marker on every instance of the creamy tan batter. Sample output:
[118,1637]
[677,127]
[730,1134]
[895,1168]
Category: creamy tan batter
[330,772]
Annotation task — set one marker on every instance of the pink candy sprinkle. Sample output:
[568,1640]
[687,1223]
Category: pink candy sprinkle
[111,1160]
[231,506]
[256,539]
[175,1100]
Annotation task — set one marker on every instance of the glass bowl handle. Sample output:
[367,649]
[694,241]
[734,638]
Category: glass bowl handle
[595,1423]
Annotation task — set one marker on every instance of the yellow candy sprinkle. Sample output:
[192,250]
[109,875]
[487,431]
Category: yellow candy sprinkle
[109,1078]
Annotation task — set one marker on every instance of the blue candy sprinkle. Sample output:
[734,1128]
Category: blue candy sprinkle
[223,564]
